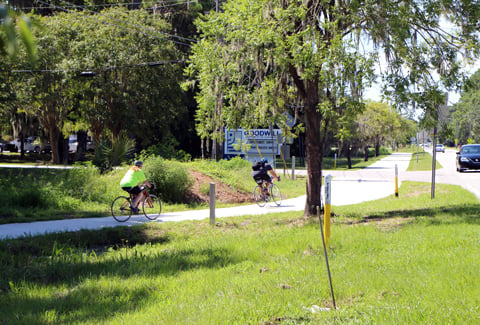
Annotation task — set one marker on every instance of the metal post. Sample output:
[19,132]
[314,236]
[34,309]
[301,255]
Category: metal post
[212,204]
[328,201]
[396,180]
[418,144]
[326,257]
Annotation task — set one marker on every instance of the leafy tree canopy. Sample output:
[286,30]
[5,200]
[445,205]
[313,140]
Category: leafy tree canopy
[258,58]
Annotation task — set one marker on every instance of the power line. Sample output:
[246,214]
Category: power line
[150,64]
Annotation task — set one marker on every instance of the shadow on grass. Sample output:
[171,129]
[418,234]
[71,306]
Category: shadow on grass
[83,300]
[72,257]
[459,214]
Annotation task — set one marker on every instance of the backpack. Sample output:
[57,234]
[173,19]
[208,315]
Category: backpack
[257,165]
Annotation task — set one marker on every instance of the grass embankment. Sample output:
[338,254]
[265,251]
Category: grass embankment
[406,260]
[422,161]
[34,194]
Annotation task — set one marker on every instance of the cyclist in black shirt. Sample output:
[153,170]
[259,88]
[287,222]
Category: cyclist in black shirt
[260,173]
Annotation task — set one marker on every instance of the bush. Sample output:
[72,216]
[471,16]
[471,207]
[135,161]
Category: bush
[109,154]
[384,151]
[171,178]
[166,149]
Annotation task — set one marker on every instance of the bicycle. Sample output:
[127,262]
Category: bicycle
[272,193]
[151,206]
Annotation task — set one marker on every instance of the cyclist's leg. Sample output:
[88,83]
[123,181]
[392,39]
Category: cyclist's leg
[136,194]
[267,182]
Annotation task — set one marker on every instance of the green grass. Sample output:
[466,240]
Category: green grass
[422,161]
[419,266]
[35,194]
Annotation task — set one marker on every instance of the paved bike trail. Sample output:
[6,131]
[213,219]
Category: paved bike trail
[348,187]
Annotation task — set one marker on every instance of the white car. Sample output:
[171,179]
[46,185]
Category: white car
[32,144]
[73,144]
[440,148]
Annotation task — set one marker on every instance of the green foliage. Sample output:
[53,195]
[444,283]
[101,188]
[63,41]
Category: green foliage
[167,149]
[466,118]
[15,28]
[171,178]
[257,58]
[110,154]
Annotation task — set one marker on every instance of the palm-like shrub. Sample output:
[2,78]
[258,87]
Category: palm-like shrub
[114,153]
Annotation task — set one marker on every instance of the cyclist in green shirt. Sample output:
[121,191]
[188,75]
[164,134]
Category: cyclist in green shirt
[131,182]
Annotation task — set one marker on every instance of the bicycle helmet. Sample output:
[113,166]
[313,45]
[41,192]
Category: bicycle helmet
[264,160]
[138,163]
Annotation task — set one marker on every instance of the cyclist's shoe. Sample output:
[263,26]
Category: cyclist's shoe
[267,197]
[134,210]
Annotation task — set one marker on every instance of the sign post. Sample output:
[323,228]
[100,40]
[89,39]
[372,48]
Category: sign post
[396,180]
[327,212]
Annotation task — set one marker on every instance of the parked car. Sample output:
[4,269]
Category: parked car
[468,157]
[73,144]
[440,148]
[31,144]
[10,147]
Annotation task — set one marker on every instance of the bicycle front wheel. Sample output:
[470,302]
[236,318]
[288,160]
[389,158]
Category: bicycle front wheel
[152,207]
[275,194]
[120,208]
[258,196]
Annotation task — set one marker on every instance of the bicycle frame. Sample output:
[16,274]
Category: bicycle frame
[146,197]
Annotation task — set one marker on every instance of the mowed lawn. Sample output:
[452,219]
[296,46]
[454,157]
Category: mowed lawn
[406,260]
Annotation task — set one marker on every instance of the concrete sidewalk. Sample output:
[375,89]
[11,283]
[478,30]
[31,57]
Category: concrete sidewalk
[348,187]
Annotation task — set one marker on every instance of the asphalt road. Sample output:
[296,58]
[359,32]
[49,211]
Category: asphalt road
[469,180]
[348,187]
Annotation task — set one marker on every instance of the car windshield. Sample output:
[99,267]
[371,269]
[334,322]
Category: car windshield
[471,149]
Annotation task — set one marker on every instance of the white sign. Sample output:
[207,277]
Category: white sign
[252,142]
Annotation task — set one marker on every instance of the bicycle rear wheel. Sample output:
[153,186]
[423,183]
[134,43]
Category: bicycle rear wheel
[275,194]
[258,196]
[152,207]
[120,208]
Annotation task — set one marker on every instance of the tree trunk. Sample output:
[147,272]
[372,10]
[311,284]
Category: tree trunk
[313,120]
[81,145]
[366,153]
[54,135]
[22,145]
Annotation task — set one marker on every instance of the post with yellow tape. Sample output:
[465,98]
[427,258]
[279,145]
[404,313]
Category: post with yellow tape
[327,208]
[396,180]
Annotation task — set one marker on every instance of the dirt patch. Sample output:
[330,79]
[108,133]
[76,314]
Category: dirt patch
[199,192]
